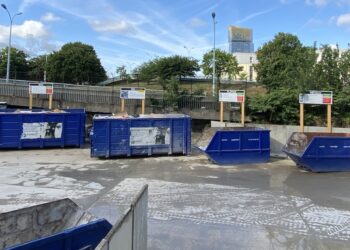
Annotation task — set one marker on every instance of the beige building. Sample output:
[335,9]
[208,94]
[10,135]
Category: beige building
[247,61]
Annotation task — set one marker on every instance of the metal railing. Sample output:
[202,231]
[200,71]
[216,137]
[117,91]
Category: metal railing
[104,95]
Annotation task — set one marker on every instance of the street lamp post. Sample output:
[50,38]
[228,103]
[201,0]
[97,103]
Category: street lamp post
[214,23]
[9,46]
[188,50]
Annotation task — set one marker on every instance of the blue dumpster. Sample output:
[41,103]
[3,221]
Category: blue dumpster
[86,236]
[144,135]
[320,152]
[238,146]
[41,128]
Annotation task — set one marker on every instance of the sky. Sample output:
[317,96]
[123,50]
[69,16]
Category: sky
[132,32]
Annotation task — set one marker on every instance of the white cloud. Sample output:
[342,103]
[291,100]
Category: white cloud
[283,1]
[118,27]
[29,28]
[196,22]
[344,20]
[31,37]
[318,3]
[50,17]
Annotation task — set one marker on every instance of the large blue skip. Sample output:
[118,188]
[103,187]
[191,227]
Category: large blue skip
[238,146]
[320,152]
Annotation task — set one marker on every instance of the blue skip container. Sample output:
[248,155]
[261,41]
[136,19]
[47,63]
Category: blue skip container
[145,135]
[320,152]
[41,128]
[86,236]
[238,146]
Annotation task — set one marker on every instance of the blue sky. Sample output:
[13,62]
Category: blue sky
[131,32]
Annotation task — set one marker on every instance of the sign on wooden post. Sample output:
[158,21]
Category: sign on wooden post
[317,97]
[40,89]
[135,94]
[237,96]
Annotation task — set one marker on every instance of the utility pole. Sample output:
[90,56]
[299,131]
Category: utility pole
[214,76]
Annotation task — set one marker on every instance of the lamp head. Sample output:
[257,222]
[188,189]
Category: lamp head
[4,6]
[213,14]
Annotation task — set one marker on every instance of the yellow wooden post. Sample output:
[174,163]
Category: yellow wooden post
[143,106]
[221,111]
[242,113]
[30,101]
[302,117]
[329,118]
[50,101]
[123,105]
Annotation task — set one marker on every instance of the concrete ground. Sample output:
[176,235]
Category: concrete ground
[194,204]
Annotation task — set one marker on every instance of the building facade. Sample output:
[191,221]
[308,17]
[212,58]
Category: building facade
[240,40]
[247,61]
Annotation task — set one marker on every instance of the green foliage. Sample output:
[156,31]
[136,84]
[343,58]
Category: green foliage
[225,63]
[327,72]
[172,93]
[165,68]
[341,107]
[121,71]
[18,63]
[37,68]
[344,67]
[278,106]
[285,62]
[75,63]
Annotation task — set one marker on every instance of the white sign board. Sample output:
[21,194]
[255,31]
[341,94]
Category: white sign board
[42,130]
[133,93]
[41,88]
[317,97]
[141,136]
[232,96]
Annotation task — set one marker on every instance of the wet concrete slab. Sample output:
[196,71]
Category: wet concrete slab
[193,204]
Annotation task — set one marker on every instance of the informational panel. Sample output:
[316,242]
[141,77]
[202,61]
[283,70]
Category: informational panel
[42,130]
[316,97]
[41,88]
[133,93]
[231,96]
[140,136]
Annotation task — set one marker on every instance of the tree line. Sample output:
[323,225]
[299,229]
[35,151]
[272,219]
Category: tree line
[286,68]
[75,63]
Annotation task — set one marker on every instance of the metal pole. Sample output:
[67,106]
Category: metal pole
[45,68]
[9,54]
[213,15]
[9,46]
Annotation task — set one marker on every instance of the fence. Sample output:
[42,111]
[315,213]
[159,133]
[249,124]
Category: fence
[106,96]
[130,232]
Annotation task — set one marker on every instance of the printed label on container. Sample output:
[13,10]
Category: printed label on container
[149,136]
[42,130]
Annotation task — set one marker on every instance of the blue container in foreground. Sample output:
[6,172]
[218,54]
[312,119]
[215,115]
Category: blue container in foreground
[86,236]
[144,135]
[320,152]
[239,146]
[41,128]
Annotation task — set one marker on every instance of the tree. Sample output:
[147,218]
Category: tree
[225,63]
[344,65]
[165,68]
[285,62]
[327,71]
[18,63]
[75,63]
[37,66]
[121,71]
